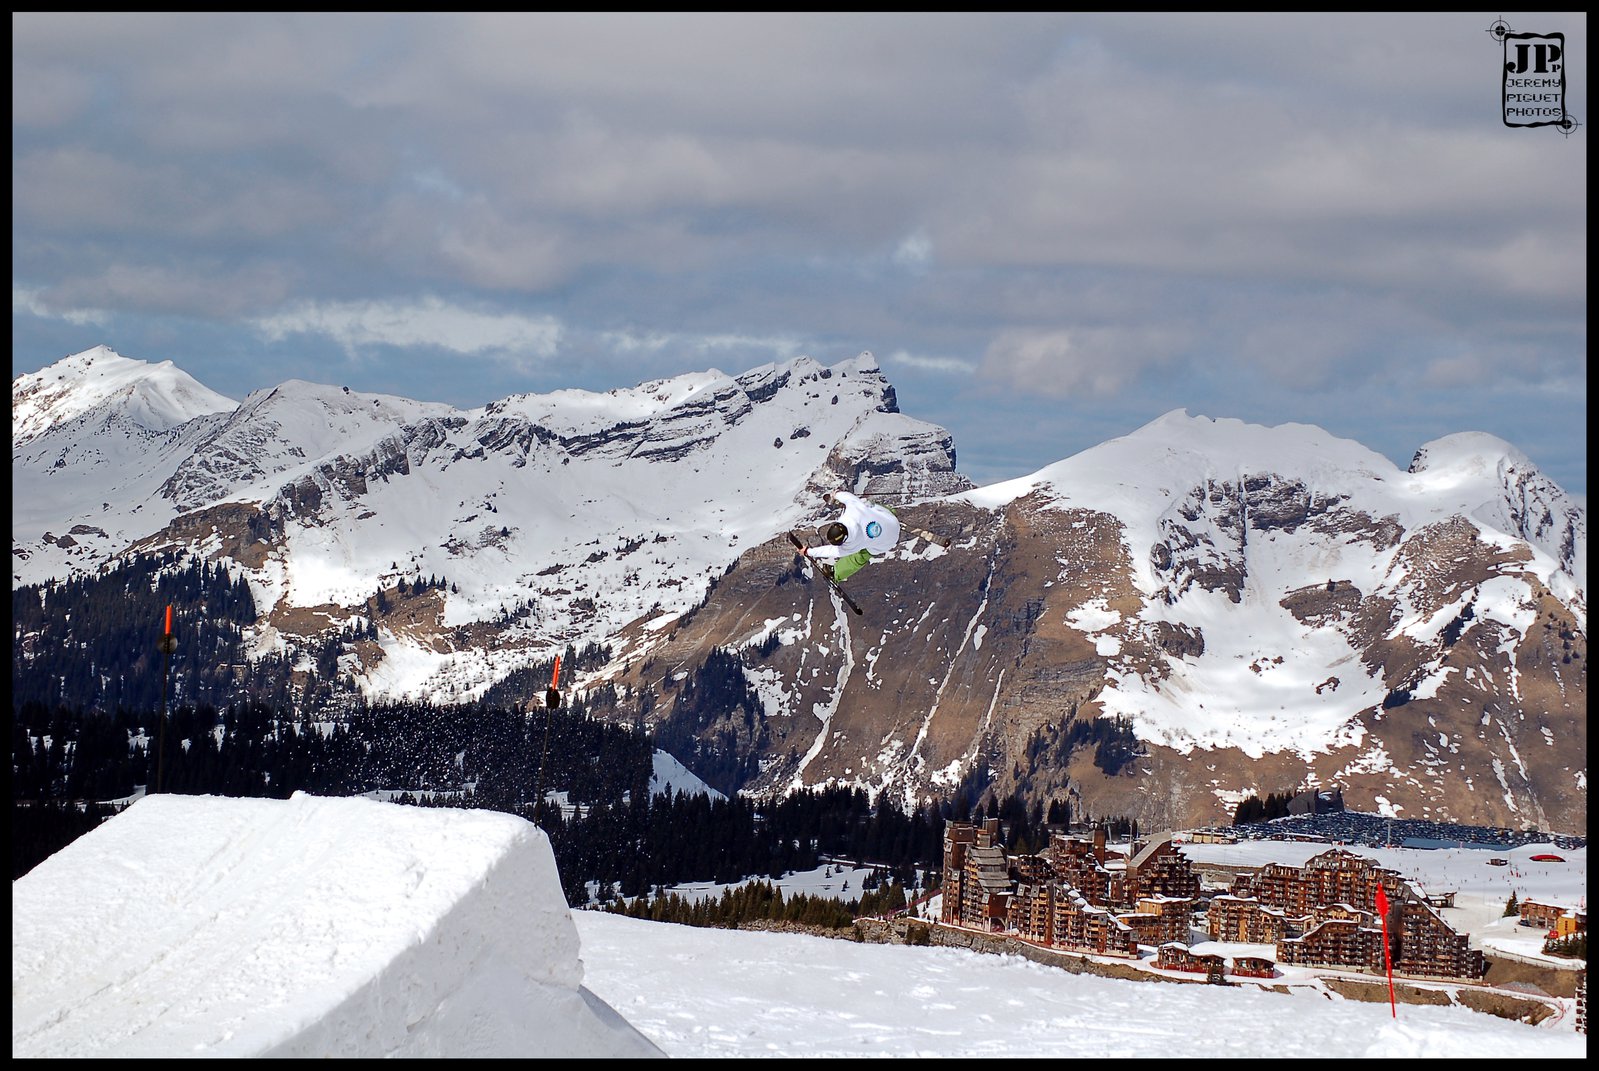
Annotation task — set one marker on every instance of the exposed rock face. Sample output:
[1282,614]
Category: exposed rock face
[994,655]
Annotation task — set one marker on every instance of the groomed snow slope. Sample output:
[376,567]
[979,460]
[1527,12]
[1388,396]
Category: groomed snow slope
[309,927]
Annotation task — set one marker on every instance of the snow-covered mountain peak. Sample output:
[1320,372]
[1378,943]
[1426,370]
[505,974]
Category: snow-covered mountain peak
[572,410]
[277,435]
[864,362]
[1137,475]
[1466,453]
[1233,439]
[297,402]
[1483,477]
[157,397]
[1142,476]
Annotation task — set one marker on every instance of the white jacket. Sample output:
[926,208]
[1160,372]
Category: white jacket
[871,528]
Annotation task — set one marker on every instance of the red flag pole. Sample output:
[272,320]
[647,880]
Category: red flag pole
[168,645]
[1387,956]
[552,699]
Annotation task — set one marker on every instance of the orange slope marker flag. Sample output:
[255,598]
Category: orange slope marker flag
[552,697]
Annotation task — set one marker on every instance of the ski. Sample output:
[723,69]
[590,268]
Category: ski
[925,534]
[794,539]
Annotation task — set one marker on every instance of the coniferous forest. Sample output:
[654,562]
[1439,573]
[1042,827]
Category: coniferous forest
[101,713]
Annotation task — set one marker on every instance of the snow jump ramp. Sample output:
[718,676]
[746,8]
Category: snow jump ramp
[201,926]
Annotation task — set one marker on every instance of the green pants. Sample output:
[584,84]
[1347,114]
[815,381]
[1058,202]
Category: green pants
[850,564]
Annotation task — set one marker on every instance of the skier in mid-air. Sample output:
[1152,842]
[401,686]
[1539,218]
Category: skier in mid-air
[863,531]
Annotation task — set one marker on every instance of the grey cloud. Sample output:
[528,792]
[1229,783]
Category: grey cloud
[433,323]
[1096,361]
[205,288]
[1145,207]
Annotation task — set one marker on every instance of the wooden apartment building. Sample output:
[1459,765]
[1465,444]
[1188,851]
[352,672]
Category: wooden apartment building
[1425,946]
[1177,956]
[1334,876]
[1245,920]
[1075,894]
[1085,927]
[1159,919]
[1558,919]
[1335,942]
[1159,869]
[1079,895]
[1326,911]
[977,882]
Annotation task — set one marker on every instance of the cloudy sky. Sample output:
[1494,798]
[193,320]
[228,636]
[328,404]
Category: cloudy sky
[1049,228]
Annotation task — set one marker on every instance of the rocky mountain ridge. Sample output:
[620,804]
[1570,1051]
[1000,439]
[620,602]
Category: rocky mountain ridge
[1154,627]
